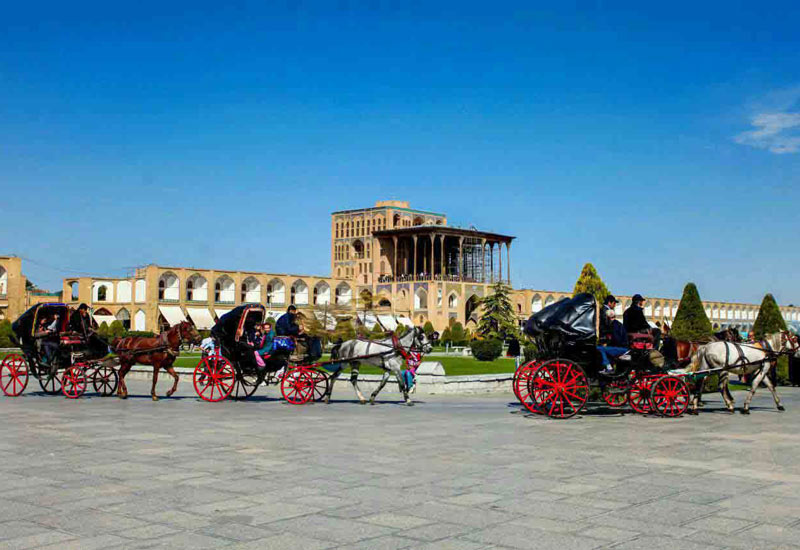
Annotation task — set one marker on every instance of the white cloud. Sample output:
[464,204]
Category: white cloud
[777,131]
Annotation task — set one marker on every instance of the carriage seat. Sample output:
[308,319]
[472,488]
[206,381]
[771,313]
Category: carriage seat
[283,343]
[640,340]
[71,339]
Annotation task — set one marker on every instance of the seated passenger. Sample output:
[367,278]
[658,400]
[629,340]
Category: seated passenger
[616,342]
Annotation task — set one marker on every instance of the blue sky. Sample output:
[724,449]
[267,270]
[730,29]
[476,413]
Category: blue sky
[660,142]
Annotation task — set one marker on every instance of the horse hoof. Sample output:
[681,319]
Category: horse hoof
[781,408]
[745,411]
[410,403]
[362,401]
[155,398]
[327,401]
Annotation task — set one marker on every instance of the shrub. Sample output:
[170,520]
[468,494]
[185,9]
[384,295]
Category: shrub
[446,338]
[428,329]
[529,351]
[116,330]
[769,318]
[458,336]
[691,322]
[5,334]
[487,350]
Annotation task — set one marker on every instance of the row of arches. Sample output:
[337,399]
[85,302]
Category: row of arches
[249,291]
[107,291]
[137,322]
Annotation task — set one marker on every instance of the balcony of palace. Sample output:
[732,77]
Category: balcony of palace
[440,253]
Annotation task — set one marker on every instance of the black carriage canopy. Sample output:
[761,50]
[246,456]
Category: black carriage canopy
[241,317]
[571,317]
[25,326]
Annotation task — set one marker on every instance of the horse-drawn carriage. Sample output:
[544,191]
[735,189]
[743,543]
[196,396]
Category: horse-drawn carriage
[232,369]
[61,360]
[557,383]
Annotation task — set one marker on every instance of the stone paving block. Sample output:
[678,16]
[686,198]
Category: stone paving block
[472,499]
[330,528]
[610,533]
[518,536]
[36,541]
[283,541]
[437,531]
[460,514]
[664,543]
[395,520]
[88,543]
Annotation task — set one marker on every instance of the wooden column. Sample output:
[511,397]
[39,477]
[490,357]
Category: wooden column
[500,260]
[414,264]
[460,266]
[432,269]
[508,251]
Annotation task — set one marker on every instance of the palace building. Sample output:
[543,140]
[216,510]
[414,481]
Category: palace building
[390,264]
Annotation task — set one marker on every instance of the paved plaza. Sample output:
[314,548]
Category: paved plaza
[455,472]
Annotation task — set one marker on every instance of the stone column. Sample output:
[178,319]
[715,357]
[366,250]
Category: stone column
[394,259]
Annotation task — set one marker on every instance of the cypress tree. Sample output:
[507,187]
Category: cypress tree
[691,322]
[428,329]
[769,318]
[590,281]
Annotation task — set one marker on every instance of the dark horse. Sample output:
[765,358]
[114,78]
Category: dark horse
[160,352]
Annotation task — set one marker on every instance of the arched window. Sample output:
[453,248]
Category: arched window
[358,250]
[124,317]
[452,300]
[384,303]
[140,320]
[299,293]
[169,287]
[124,289]
[103,292]
[141,290]
[4,282]
[418,221]
[536,303]
[322,293]
[225,290]
[276,292]
[420,299]
[251,291]
[73,290]
[549,300]
[344,294]
[197,288]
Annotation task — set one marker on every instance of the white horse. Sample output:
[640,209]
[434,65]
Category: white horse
[387,354]
[752,359]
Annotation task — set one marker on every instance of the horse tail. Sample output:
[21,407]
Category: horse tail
[335,351]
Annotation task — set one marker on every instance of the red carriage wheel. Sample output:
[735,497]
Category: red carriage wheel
[320,383]
[105,380]
[214,379]
[615,394]
[13,375]
[639,394]
[73,383]
[297,386]
[669,396]
[560,388]
[522,386]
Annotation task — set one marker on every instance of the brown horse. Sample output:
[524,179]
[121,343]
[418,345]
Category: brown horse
[160,352]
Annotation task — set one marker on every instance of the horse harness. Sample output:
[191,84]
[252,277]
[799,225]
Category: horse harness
[165,347]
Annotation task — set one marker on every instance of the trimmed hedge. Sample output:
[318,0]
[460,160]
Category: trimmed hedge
[487,350]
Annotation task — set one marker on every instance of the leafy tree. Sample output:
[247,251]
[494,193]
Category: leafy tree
[487,350]
[590,282]
[769,318]
[314,327]
[400,330]
[377,332]
[498,320]
[428,329]
[344,330]
[103,330]
[691,322]
[446,338]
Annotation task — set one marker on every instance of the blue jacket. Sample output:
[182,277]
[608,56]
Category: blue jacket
[287,326]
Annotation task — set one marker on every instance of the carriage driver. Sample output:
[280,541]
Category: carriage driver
[287,324]
[635,320]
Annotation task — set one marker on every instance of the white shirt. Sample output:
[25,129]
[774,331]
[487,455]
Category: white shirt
[207,344]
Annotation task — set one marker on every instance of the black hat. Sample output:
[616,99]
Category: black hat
[610,298]
[637,298]
[291,308]
[83,306]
